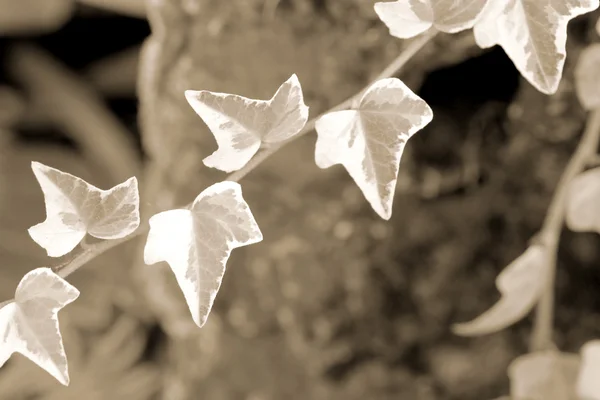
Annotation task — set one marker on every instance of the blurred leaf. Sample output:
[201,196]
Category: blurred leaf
[33,16]
[588,382]
[549,375]
[521,283]
[583,202]
[587,77]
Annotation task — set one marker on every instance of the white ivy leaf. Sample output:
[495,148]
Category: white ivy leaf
[197,242]
[74,208]
[369,139]
[587,77]
[29,325]
[521,284]
[408,18]
[582,212]
[241,125]
[548,375]
[533,33]
[588,381]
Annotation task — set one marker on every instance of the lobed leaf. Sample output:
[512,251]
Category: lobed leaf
[369,140]
[533,33]
[548,375]
[408,18]
[582,212]
[588,382]
[587,77]
[197,242]
[241,125]
[74,208]
[29,325]
[521,284]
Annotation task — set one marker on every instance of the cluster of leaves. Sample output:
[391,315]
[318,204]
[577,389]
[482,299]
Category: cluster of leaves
[368,139]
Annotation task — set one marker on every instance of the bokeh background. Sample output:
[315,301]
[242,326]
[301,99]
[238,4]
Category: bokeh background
[335,303]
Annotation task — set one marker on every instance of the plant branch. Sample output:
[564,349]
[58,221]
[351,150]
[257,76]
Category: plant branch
[94,250]
[413,48]
[549,235]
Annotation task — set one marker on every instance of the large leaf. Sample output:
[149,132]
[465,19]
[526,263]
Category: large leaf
[197,242]
[369,139]
[241,125]
[408,18]
[29,324]
[533,33]
[548,375]
[74,208]
[583,202]
[588,381]
[521,284]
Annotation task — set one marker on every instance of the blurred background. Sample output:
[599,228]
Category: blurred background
[335,303]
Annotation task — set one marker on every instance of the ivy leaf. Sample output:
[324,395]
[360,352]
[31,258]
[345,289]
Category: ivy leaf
[408,18]
[588,384]
[533,33]
[587,77]
[29,325]
[521,284]
[548,375]
[74,208]
[369,139]
[583,198]
[242,125]
[197,242]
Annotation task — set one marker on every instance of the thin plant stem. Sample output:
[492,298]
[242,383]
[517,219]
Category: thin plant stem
[94,250]
[396,65]
[549,235]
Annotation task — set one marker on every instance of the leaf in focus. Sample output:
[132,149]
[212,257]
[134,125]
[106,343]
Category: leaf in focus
[548,375]
[197,242]
[582,212]
[74,208]
[521,284]
[533,34]
[588,381]
[30,323]
[241,125]
[369,139]
[587,77]
[408,18]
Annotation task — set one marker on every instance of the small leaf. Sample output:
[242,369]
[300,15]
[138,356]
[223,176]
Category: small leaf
[548,375]
[29,325]
[587,77]
[533,33]
[583,202]
[74,208]
[408,18]
[241,125]
[588,381]
[369,139]
[521,284]
[197,242]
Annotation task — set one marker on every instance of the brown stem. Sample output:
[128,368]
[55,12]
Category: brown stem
[541,337]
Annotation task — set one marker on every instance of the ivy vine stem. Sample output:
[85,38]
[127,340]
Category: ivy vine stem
[94,250]
[549,235]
